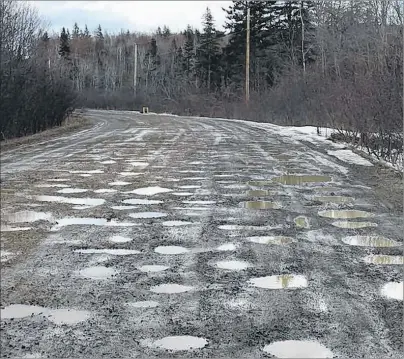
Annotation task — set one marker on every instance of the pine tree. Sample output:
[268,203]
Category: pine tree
[188,52]
[76,31]
[86,33]
[64,46]
[208,52]
[166,31]
[45,37]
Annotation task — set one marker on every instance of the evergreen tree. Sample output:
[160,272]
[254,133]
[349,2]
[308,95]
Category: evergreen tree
[86,33]
[188,52]
[208,52]
[166,31]
[45,37]
[64,46]
[76,31]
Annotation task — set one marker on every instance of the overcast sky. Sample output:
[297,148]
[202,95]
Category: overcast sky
[144,16]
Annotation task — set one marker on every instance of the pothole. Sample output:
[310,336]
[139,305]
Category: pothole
[393,290]
[176,223]
[199,202]
[137,201]
[191,186]
[298,180]
[105,190]
[170,288]
[177,343]
[17,311]
[333,199]
[153,268]
[370,241]
[72,190]
[120,239]
[97,272]
[119,183]
[113,251]
[233,265]
[69,200]
[108,162]
[298,349]
[14,229]
[77,221]
[345,214]
[302,222]
[143,304]
[130,174]
[227,247]
[286,281]
[87,172]
[259,193]
[171,250]
[182,194]
[261,205]
[68,316]
[149,191]
[52,185]
[144,215]
[383,259]
[27,217]
[353,225]
[278,240]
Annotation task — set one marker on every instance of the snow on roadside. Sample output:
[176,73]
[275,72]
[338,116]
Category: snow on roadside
[350,157]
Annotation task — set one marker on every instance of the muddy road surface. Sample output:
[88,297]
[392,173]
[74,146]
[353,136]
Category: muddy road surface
[152,236]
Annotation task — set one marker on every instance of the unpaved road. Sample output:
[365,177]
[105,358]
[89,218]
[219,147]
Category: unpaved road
[134,239]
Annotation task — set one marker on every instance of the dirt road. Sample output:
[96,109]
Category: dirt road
[163,236]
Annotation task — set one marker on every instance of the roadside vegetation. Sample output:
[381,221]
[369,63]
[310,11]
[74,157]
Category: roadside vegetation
[335,64]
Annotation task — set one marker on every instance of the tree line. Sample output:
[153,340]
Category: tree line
[331,63]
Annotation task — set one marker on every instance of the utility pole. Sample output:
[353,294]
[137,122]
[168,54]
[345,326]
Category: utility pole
[135,72]
[247,58]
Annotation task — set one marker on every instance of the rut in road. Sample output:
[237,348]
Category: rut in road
[157,235]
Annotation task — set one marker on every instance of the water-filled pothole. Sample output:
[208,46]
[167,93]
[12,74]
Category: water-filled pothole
[199,202]
[171,288]
[97,272]
[68,316]
[259,193]
[150,191]
[278,240]
[182,194]
[171,250]
[70,200]
[76,221]
[177,343]
[302,222]
[298,180]
[233,265]
[137,201]
[285,281]
[176,223]
[353,225]
[143,304]
[120,239]
[124,208]
[334,199]
[227,247]
[345,214]
[152,268]
[105,190]
[370,241]
[72,190]
[261,205]
[393,290]
[27,217]
[17,311]
[383,259]
[144,215]
[298,349]
[119,183]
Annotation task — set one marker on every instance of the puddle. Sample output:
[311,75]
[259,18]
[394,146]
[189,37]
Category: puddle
[17,311]
[57,179]
[302,222]
[191,186]
[370,241]
[176,343]
[176,223]
[120,239]
[298,180]
[227,247]
[353,225]
[278,240]
[199,202]
[298,349]
[98,272]
[105,190]
[108,162]
[345,214]
[81,207]
[384,259]
[67,200]
[88,172]
[119,183]
[261,205]
[259,193]
[260,183]
[183,194]
[52,185]
[171,250]
[117,252]
[27,217]
[152,268]
[85,175]
[138,164]
[236,227]
[171,288]
[71,190]
[393,290]
[149,191]
[68,316]
[129,174]
[285,281]
[141,201]
[232,265]
[334,199]
[143,304]
[147,215]
[122,208]
[14,229]
[71,221]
